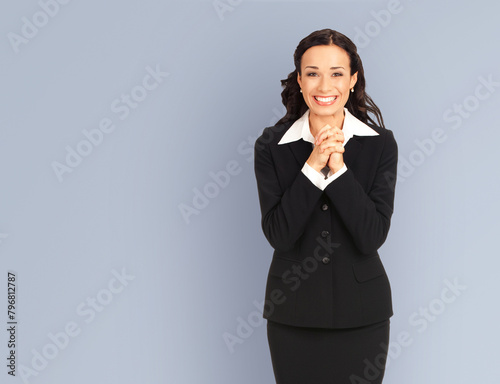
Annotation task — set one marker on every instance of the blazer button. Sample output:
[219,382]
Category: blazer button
[324,233]
[324,207]
[325,260]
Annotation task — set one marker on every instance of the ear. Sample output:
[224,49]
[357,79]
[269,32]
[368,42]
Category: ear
[299,80]
[354,79]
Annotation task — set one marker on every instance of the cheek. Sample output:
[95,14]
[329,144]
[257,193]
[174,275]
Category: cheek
[307,86]
[344,85]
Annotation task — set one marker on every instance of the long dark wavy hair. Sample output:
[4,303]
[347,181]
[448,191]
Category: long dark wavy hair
[359,103]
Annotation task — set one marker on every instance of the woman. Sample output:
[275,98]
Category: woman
[325,175]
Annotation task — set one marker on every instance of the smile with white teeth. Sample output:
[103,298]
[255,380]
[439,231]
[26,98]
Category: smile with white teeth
[325,99]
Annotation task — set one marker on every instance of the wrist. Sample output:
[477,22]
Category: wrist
[316,167]
[336,167]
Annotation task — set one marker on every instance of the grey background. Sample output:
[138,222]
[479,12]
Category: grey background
[193,281]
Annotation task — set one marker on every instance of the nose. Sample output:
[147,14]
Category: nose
[324,84]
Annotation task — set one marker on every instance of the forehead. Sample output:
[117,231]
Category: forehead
[325,56]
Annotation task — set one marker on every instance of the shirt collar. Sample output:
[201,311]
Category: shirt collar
[300,129]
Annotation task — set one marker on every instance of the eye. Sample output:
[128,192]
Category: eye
[337,74]
[311,74]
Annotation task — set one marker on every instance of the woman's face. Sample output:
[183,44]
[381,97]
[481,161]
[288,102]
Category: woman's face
[326,81]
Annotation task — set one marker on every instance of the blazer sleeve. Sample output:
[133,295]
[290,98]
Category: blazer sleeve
[367,216]
[285,212]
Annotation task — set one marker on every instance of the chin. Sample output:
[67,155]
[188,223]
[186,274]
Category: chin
[326,111]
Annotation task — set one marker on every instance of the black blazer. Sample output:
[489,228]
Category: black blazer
[326,271]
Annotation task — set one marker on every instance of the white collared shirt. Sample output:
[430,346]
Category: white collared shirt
[300,130]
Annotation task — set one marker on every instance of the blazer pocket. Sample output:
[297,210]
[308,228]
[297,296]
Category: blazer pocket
[368,269]
[279,266]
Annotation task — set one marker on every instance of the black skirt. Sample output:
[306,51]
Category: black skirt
[303,355]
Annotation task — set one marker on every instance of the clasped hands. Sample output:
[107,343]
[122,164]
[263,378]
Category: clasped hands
[328,149]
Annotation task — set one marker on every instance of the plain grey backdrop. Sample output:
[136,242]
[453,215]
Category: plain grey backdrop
[129,210]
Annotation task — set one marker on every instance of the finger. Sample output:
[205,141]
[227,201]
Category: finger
[331,147]
[327,135]
[325,146]
[322,133]
[338,139]
[326,132]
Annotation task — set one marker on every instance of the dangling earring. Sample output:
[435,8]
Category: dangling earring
[352,89]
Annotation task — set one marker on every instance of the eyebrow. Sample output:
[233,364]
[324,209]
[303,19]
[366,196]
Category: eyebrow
[311,66]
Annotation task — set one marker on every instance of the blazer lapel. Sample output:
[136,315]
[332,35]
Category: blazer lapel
[352,149]
[301,150]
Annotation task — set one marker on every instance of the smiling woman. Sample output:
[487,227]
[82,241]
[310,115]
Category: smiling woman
[325,88]
[326,207]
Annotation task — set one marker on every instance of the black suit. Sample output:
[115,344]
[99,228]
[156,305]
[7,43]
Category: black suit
[326,271]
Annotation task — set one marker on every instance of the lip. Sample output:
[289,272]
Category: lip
[323,103]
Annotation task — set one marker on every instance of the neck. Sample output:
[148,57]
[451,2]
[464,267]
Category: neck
[317,122]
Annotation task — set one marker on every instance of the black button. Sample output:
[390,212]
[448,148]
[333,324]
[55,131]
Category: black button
[324,233]
[325,260]
[324,207]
